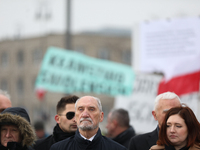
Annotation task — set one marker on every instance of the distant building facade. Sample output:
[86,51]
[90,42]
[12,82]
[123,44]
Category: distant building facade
[20,61]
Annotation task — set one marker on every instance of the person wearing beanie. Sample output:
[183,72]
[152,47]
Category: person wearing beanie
[16,130]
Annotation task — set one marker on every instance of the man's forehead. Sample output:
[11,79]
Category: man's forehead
[169,102]
[167,106]
[88,106]
[164,108]
[71,105]
[9,126]
[87,101]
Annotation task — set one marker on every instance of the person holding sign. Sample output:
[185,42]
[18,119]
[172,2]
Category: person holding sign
[163,103]
[180,130]
[88,115]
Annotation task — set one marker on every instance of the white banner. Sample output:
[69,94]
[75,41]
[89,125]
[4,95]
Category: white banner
[170,46]
[140,103]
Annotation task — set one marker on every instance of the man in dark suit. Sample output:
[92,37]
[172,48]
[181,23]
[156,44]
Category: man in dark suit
[88,115]
[163,102]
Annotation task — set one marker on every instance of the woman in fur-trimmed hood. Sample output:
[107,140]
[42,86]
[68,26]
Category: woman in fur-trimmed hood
[16,130]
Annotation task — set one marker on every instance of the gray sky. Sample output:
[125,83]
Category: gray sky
[18,17]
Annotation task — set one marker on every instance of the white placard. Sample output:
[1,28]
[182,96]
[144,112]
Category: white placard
[170,46]
[140,103]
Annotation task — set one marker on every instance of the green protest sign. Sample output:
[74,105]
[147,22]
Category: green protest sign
[68,71]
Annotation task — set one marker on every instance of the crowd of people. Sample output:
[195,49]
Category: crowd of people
[77,127]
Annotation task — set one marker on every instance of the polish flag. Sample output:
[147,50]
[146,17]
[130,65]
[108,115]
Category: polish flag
[40,93]
[180,85]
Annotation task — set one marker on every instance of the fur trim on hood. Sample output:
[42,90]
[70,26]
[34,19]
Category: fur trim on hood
[26,130]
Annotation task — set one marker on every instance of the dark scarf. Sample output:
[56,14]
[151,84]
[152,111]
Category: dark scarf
[172,148]
[59,134]
[13,146]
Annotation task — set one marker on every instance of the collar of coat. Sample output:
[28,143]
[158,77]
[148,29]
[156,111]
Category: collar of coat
[85,143]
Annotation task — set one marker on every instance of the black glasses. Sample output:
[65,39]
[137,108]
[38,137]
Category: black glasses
[69,115]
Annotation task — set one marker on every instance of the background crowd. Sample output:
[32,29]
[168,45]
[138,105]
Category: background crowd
[77,126]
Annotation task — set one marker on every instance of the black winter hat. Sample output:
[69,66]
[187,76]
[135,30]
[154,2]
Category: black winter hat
[17,111]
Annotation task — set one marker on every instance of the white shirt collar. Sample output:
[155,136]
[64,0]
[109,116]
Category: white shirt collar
[90,139]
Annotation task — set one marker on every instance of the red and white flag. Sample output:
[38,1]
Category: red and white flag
[180,85]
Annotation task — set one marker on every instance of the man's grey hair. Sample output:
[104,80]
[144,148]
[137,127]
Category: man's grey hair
[121,116]
[166,95]
[98,102]
[4,93]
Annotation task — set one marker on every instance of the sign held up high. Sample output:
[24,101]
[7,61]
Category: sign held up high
[170,46]
[69,71]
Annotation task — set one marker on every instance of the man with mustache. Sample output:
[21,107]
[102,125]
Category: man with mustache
[66,125]
[88,115]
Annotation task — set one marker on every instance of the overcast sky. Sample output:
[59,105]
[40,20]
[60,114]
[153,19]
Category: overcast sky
[26,17]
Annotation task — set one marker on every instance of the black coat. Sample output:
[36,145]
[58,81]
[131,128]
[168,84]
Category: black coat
[78,143]
[15,146]
[144,141]
[125,137]
[46,143]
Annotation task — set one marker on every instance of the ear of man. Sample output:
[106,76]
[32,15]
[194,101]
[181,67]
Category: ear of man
[101,117]
[154,115]
[57,118]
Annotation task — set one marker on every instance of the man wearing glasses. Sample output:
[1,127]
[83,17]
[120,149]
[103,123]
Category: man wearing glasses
[66,125]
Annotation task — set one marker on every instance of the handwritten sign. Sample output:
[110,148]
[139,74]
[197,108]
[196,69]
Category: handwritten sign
[69,71]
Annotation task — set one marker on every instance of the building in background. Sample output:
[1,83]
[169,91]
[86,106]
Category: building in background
[20,61]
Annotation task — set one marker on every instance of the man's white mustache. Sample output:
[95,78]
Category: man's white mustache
[83,119]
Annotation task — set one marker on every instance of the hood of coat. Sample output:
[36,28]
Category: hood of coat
[18,116]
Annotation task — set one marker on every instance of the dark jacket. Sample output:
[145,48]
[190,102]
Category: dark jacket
[157,147]
[46,143]
[76,142]
[144,141]
[19,117]
[125,137]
